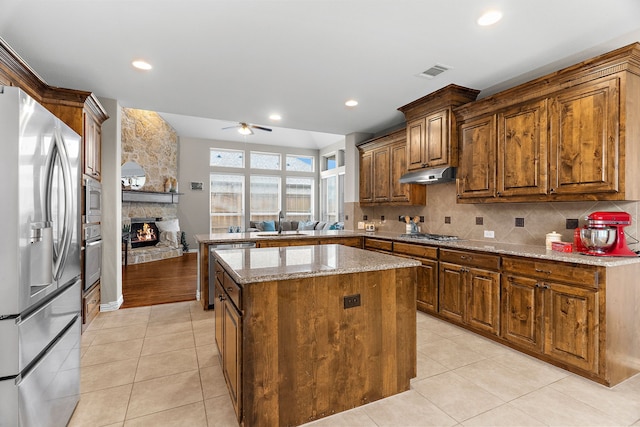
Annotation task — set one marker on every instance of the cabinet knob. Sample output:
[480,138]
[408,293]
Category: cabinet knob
[221,297]
[543,271]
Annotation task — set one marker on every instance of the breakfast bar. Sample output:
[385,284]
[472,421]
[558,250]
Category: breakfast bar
[308,331]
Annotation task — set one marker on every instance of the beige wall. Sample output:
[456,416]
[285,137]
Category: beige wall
[539,218]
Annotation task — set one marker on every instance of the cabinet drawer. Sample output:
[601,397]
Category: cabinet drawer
[473,259]
[416,250]
[583,275]
[355,242]
[382,245]
[91,304]
[233,290]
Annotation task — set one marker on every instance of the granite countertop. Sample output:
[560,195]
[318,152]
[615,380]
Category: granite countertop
[531,251]
[252,265]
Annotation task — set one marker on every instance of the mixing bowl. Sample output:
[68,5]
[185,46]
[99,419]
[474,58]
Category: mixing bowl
[598,239]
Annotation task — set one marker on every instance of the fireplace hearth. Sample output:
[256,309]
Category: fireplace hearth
[144,232]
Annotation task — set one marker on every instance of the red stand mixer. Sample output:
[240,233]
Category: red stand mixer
[604,235]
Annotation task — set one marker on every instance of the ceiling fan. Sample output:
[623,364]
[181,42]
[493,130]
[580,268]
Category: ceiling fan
[245,128]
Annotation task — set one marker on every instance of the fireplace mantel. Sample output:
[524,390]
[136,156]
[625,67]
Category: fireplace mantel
[149,196]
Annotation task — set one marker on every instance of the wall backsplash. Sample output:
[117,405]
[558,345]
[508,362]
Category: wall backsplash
[151,142]
[539,218]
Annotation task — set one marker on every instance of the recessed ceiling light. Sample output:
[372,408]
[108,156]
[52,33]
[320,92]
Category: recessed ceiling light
[141,65]
[275,117]
[351,103]
[489,18]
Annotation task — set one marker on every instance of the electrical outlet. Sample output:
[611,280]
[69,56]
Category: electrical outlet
[364,217]
[519,222]
[447,220]
[382,218]
[479,220]
[421,219]
[572,224]
[351,301]
[489,234]
[346,217]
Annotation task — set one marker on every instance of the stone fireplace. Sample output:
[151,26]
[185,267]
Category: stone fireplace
[149,141]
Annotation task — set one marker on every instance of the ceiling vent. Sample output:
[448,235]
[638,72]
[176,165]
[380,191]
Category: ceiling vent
[434,71]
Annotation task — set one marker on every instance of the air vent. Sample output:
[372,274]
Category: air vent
[434,71]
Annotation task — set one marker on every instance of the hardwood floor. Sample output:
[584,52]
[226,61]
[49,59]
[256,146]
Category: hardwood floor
[160,282]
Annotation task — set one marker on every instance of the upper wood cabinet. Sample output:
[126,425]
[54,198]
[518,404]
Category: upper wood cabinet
[431,127]
[383,161]
[80,110]
[571,135]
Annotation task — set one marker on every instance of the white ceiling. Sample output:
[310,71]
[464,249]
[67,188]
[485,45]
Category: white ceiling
[219,62]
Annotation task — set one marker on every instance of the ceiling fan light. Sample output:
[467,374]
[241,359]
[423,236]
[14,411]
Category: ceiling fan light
[244,130]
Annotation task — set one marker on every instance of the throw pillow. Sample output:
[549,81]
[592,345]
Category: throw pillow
[169,225]
[321,225]
[269,225]
[333,226]
[307,225]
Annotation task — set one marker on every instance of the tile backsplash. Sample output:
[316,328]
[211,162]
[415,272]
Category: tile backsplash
[538,218]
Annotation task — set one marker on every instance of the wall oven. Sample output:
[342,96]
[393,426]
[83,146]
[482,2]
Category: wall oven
[92,236]
[92,200]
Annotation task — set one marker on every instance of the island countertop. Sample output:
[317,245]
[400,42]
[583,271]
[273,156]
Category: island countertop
[252,265]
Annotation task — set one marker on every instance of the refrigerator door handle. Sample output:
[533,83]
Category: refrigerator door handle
[59,152]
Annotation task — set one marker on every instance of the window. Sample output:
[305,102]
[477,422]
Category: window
[264,198]
[258,189]
[300,163]
[332,187]
[299,199]
[267,161]
[226,158]
[227,201]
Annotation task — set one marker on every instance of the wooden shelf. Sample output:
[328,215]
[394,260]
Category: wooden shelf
[149,196]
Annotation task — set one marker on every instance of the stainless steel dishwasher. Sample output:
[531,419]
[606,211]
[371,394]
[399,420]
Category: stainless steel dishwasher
[212,274]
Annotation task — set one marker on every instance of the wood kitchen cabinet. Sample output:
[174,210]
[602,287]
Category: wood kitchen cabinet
[584,141]
[469,289]
[552,309]
[431,127]
[228,334]
[566,136]
[382,162]
[427,278]
[92,146]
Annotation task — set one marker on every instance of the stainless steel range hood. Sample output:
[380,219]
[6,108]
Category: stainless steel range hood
[430,176]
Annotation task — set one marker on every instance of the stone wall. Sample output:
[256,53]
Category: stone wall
[152,143]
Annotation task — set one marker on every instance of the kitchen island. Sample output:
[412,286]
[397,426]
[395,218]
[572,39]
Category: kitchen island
[308,331]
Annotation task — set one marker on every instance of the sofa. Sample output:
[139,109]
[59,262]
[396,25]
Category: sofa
[292,225]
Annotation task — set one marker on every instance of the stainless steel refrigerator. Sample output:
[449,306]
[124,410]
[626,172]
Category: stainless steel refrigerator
[40,280]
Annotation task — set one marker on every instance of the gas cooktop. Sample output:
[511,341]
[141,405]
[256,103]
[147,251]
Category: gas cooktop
[429,236]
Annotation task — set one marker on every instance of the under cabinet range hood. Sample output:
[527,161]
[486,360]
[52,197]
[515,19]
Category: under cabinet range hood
[429,176]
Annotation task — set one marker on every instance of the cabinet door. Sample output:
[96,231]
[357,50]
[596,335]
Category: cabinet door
[92,147]
[218,309]
[366,177]
[483,300]
[584,142]
[437,139]
[232,352]
[427,286]
[399,192]
[476,172]
[451,302]
[522,150]
[382,178]
[416,144]
[522,321]
[572,327]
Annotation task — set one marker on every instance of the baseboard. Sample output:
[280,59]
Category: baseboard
[113,305]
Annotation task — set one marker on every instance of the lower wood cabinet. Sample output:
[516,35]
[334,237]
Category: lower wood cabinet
[427,277]
[228,334]
[90,305]
[355,242]
[545,315]
[469,293]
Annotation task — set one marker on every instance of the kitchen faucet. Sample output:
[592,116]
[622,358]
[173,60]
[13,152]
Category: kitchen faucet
[280,218]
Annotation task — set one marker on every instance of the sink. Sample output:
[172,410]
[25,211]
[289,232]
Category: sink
[284,233]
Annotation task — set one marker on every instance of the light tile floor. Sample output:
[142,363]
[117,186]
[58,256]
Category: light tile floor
[158,366]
